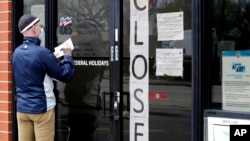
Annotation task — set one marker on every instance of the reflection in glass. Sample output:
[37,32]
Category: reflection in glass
[79,101]
[86,22]
[170,98]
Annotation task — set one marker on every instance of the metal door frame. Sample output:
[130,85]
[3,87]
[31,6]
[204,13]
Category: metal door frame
[116,58]
[201,76]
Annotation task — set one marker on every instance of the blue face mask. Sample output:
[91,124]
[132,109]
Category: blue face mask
[41,35]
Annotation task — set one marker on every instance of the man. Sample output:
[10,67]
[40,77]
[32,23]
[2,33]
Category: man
[33,68]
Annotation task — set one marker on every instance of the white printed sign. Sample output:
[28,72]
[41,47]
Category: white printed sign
[218,128]
[139,52]
[236,81]
[169,62]
[170,26]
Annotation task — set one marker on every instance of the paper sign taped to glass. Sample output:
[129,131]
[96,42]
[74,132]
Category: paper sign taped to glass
[67,44]
[236,81]
[169,62]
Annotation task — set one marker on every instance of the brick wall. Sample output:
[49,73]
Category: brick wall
[5,70]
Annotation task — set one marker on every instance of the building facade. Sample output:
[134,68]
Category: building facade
[157,70]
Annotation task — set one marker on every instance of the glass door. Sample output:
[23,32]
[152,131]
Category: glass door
[169,96]
[79,115]
[80,111]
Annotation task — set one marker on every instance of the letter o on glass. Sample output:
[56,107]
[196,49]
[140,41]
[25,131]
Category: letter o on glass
[145,66]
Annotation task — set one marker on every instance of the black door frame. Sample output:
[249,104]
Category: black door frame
[201,62]
[116,71]
[17,7]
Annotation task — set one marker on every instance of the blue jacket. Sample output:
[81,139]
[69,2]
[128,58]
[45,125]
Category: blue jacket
[33,67]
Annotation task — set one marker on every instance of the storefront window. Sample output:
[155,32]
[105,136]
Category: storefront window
[170,97]
[86,23]
[230,34]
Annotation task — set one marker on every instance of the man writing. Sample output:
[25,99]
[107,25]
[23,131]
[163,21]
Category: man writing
[33,68]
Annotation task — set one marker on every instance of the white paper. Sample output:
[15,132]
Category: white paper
[218,128]
[138,80]
[67,44]
[169,62]
[139,128]
[221,133]
[236,81]
[170,26]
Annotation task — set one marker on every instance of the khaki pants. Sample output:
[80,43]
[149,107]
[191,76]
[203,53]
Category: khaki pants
[36,127]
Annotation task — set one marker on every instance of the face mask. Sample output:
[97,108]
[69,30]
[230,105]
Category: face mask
[41,35]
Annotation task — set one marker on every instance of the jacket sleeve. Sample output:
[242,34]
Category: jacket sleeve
[60,70]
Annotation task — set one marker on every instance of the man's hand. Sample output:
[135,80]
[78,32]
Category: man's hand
[67,51]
